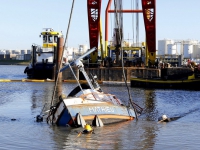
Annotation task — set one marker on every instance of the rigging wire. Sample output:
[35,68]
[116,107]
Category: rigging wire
[132,7]
[121,42]
[66,38]
[137,23]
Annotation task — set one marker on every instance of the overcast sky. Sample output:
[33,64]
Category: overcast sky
[23,20]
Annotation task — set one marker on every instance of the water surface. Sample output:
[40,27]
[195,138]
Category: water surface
[24,100]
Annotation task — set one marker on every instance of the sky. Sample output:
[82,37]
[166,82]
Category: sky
[22,21]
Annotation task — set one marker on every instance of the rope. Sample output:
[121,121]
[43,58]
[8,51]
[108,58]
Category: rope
[62,53]
[130,99]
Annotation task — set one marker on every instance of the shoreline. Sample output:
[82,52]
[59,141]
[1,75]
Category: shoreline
[14,62]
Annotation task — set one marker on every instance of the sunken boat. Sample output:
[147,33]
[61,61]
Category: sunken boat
[88,104]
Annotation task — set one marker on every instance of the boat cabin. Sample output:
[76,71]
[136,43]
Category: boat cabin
[50,38]
[47,52]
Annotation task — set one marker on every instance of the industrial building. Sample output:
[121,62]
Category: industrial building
[70,53]
[15,54]
[175,50]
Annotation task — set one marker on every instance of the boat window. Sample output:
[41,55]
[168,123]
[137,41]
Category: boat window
[44,38]
[55,39]
[50,39]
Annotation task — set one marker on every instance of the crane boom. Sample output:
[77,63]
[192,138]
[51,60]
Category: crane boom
[94,11]
[149,13]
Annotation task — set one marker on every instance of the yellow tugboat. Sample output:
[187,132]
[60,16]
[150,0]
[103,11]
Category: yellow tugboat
[43,58]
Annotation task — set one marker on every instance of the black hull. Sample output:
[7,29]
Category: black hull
[40,71]
[166,84]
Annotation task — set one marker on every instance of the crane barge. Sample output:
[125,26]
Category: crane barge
[149,14]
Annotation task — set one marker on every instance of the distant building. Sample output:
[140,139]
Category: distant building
[163,46]
[2,51]
[8,51]
[15,52]
[2,56]
[28,51]
[27,56]
[10,56]
[20,57]
[23,52]
[83,48]
[69,52]
[189,49]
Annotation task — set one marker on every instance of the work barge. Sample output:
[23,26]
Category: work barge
[142,77]
[113,73]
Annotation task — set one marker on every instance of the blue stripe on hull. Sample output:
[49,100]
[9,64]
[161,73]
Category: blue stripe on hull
[64,118]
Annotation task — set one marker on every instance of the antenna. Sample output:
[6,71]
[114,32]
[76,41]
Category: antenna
[51,29]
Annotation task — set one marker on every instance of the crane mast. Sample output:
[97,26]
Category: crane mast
[94,11]
[149,13]
[118,30]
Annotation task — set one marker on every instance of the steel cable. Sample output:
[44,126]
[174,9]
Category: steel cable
[121,42]
[66,38]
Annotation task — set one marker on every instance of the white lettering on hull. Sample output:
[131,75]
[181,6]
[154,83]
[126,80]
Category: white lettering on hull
[101,109]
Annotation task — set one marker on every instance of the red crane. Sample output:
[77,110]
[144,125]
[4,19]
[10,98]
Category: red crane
[149,14]
[94,11]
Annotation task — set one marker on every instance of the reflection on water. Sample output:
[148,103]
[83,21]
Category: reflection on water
[127,135]
[24,100]
[150,105]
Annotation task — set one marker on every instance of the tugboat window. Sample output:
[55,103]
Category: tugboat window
[55,39]
[44,39]
[50,39]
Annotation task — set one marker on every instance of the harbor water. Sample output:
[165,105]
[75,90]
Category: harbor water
[21,102]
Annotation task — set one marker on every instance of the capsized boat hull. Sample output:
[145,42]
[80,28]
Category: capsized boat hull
[66,114]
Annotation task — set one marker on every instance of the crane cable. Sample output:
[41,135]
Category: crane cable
[132,7]
[137,23]
[120,38]
[66,38]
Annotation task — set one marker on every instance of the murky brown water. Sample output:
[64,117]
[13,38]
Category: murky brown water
[24,100]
